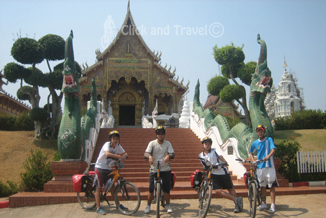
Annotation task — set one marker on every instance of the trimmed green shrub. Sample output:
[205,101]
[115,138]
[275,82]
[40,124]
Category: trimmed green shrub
[37,172]
[307,119]
[7,190]
[7,122]
[24,122]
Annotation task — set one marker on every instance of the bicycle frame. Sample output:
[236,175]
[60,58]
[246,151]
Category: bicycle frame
[158,179]
[253,187]
[125,195]
[206,185]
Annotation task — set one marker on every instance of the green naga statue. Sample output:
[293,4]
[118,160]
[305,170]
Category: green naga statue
[70,140]
[73,129]
[259,87]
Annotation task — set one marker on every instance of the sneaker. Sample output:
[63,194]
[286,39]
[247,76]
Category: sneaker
[148,208]
[263,206]
[272,209]
[168,208]
[123,207]
[240,203]
[100,211]
[236,209]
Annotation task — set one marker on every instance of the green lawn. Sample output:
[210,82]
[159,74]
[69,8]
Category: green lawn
[309,139]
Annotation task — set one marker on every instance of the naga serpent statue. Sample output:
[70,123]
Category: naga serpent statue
[73,130]
[259,87]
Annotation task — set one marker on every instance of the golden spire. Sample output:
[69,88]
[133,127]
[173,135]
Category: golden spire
[285,65]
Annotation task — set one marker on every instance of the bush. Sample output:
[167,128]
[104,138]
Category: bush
[7,190]
[7,122]
[56,156]
[287,150]
[24,122]
[37,173]
[307,119]
[39,114]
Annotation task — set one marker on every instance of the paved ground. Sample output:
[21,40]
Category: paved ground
[312,205]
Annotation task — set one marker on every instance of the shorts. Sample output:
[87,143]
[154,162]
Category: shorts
[267,177]
[101,176]
[166,178]
[221,181]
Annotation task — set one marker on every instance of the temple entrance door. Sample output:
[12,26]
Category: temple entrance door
[127,115]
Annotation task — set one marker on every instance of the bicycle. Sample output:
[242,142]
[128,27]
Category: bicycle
[252,186]
[158,192]
[206,187]
[126,194]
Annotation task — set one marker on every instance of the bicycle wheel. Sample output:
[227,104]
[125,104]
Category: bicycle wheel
[163,203]
[87,199]
[158,198]
[127,198]
[252,199]
[205,200]
[258,197]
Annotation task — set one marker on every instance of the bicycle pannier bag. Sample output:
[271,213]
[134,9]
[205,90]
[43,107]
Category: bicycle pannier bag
[246,177]
[77,182]
[196,179]
[86,181]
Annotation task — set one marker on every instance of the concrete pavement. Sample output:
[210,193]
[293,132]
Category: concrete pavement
[311,205]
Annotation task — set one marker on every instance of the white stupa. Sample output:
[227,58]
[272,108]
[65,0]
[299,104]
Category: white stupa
[184,121]
[288,97]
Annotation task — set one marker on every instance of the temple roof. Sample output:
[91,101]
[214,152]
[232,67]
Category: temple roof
[127,22]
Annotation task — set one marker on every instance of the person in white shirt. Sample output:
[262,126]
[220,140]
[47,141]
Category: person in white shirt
[159,149]
[110,149]
[220,177]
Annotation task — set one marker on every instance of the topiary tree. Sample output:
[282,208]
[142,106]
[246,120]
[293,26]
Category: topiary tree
[28,51]
[231,58]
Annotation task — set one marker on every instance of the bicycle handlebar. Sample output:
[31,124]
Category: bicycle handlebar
[216,165]
[249,161]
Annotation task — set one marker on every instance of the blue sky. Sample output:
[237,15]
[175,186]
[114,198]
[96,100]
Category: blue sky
[294,29]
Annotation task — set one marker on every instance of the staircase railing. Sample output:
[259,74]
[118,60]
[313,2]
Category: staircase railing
[90,143]
[228,148]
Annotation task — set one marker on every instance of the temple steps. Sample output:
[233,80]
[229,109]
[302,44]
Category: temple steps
[186,145]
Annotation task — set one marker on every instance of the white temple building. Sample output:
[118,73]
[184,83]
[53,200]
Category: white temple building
[288,98]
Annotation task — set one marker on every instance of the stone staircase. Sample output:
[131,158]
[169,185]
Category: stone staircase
[186,146]
[136,170]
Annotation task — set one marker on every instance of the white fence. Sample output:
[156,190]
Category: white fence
[311,161]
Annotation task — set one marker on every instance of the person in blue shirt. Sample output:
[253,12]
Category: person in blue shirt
[265,148]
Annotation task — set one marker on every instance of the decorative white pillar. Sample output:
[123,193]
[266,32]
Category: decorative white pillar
[184,121]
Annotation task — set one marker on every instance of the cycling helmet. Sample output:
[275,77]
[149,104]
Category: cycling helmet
[206,139]
[160,129]
[261,127]
[114,133]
